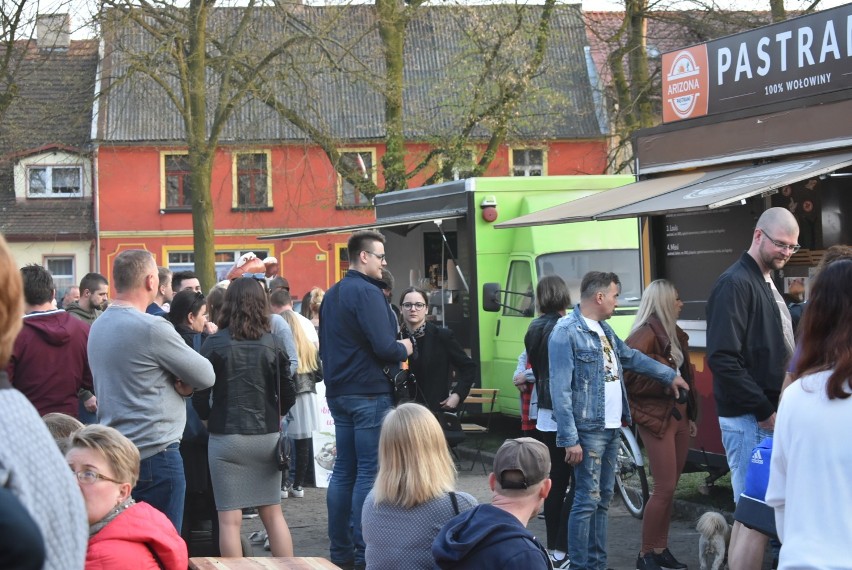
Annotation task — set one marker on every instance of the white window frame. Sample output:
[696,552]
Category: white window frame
[527,168]
[72,277]
[49,193]
[187,263]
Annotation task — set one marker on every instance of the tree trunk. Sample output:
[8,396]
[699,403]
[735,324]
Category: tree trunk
[201,151]
[392,25]
[776,8]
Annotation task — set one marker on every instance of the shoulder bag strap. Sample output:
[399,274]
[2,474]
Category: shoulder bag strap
[455,502]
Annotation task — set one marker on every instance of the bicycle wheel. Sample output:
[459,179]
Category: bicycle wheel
[630,480]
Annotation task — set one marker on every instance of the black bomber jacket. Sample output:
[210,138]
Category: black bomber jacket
[745,342]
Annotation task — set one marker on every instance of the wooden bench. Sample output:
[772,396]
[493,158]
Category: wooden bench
[258,563]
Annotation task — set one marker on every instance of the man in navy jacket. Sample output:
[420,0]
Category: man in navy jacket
[359,351]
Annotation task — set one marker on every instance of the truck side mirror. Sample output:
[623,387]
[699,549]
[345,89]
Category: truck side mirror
[491,297]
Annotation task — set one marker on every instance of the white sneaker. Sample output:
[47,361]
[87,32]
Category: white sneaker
[297,492]
[559,562]
[285,492]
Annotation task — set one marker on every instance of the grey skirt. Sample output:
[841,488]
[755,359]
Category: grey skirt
[244,471]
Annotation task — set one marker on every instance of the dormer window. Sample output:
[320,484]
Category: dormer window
[54,181]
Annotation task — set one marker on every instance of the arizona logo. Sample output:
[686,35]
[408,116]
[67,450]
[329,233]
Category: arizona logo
[684,88]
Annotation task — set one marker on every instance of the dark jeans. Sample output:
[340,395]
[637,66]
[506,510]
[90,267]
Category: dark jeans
[557,505]
[162,483]
[357,423]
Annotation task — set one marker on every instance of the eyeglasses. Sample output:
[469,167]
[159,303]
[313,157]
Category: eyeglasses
[418,306]
[379,257]
[780,245]
[91,477]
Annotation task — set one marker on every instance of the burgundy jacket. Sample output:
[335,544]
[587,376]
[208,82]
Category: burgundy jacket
[49,362]
[650,405]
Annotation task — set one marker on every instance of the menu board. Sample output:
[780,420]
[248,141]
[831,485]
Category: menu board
[691,249]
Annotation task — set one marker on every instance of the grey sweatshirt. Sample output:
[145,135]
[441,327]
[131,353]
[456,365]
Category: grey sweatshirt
[135,358]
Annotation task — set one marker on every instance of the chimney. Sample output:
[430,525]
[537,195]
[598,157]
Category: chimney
[53,31]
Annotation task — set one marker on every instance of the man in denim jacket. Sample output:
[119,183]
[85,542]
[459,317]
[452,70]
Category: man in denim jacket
[590,405]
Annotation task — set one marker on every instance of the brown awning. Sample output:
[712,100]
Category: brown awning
[590,207]
[692,191]
[734,187]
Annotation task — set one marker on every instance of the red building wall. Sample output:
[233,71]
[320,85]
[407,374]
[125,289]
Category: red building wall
[304,195]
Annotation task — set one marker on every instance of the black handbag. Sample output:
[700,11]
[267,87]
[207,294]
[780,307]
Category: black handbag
[404,386]
[283,452]
[282,449]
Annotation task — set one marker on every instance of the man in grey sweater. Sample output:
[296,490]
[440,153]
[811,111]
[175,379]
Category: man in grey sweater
[142,371]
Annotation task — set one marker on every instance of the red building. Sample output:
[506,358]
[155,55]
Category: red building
[273,181]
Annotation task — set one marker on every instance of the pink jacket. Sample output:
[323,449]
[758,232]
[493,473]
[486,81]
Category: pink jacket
[133,539]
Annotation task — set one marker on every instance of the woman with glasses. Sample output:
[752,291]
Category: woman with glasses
[436,354]
[664,424]
[123,534]
[253,389]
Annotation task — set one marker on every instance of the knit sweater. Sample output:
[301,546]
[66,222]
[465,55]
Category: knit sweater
[135,358]
[399,537]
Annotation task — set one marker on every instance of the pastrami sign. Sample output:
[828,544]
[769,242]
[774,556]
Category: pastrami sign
[798,58]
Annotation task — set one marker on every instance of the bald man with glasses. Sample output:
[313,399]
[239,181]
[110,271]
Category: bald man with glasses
[750,340]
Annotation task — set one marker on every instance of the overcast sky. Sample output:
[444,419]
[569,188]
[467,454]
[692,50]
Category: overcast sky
[81,8]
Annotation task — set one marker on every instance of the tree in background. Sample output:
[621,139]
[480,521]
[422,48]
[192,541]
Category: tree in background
[213,62]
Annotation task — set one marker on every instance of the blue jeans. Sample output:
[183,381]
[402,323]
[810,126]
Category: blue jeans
[357,423]
[162,483]
[594,479]
[740,434]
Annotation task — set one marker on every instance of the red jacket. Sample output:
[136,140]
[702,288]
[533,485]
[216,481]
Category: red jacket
[49,362]
[133,538]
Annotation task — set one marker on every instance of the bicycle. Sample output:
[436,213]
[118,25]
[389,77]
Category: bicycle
[631,480]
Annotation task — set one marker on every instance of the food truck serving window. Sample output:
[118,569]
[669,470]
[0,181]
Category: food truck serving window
[572,265]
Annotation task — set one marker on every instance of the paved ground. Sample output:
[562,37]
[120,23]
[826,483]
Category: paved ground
[307,520]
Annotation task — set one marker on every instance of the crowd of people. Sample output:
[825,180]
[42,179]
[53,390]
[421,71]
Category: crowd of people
[192,395]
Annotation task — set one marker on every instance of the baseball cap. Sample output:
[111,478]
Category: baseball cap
[526,455]
[270,261]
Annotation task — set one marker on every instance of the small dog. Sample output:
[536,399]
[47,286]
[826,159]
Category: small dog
[715,535]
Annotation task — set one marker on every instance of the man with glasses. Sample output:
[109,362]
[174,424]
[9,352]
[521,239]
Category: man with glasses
[750,340]
[360,352]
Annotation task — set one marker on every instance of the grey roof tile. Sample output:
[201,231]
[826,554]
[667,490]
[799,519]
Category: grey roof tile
[352,110]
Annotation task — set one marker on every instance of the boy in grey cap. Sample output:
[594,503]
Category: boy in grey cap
[490,537]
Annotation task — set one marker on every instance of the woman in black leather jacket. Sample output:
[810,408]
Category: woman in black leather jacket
[253,388]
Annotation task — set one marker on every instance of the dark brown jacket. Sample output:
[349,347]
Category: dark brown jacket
[650,405]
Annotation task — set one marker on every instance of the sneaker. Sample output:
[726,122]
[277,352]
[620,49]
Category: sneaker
[666,560]
[647,562]
[250,513]
[285,492]
[559,563]
[266,544]
[257,537]
[297,492]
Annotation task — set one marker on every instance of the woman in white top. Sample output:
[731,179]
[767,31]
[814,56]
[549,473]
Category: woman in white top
[809,477]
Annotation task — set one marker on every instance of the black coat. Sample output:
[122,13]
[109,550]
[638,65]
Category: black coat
[439,352]
[745,342]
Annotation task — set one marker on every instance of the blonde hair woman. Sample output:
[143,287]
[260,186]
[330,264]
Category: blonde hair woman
[122,533]
[413,494]
[664,425]
[304,416]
